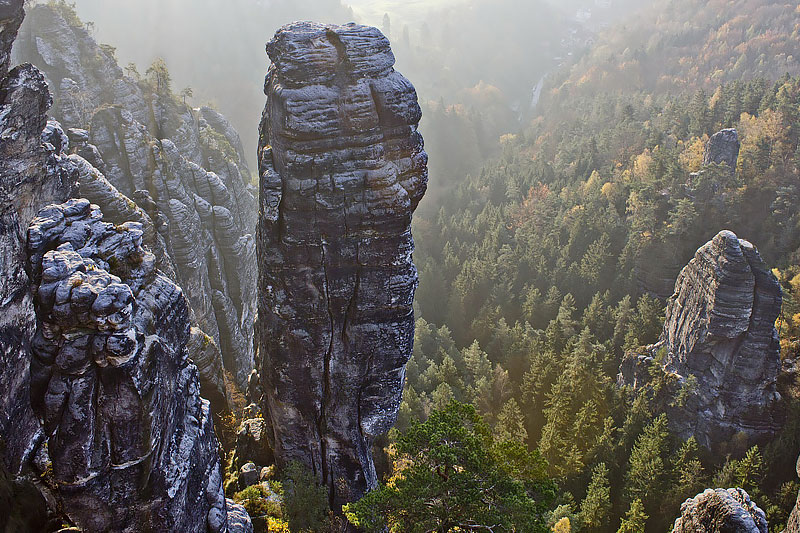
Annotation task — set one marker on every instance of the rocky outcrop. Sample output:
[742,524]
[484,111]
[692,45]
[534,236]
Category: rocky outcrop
[342,170]
[118,208]
[252,444]
[32,175]
[183,168]
[721,511]
[719,341]
[129,438]
[723,149]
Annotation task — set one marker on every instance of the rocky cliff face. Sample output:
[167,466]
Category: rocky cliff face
[183,168]
[719,340]
[130,440]
[101,421]
[32,175]
[342,170]
[721,511]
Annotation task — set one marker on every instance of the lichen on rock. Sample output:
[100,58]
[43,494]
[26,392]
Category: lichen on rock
[130,440]
[721,511]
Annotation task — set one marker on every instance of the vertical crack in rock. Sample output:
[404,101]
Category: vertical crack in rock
[720,331]
[342,169]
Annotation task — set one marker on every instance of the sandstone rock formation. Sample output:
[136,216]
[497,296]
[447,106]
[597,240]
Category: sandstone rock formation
[182,167]
[130,440]
[32,175]
[722,148]
[721,511]
[342,170]
[719,340]
[100,417]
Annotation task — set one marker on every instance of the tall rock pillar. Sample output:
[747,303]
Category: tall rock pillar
[342,170]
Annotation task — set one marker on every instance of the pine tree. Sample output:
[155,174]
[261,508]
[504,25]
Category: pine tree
[647,468]
[635,520]
[750,471]
[596,316]
[510,423]
[596,506]
[477,363]
[623,316]
[566,315]
[532,306]
[159,76]
[699,114]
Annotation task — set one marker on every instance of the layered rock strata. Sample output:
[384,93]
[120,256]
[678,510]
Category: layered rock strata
[342,170]
[130,440]
[721,511]
[118,208]
[185,168]
[32,175]
[720,342]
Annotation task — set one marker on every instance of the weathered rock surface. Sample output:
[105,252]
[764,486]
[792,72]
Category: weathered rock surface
[130,440]
[22,507]
[723,148]
[719,333]
[32,175]
[342,170]
[721,511]
[252,444]
[182,167]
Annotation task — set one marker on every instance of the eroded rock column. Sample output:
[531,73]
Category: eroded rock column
[719,343]
[130,441]
[342,169]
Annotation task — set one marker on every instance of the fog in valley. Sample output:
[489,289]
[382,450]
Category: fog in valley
[477,64]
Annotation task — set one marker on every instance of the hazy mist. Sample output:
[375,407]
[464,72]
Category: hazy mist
[475,63]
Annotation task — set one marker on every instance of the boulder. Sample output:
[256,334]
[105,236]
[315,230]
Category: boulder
[723,149]
[721,511]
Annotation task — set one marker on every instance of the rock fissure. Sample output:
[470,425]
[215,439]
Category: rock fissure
[336,276]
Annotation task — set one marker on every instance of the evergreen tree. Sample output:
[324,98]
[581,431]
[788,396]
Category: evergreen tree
[596,506]
[511,424]
[159,76]
[456,477]
[635,520]
[647,468]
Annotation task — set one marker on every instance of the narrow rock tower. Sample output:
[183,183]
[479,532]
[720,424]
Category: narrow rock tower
[342,170]
[720,332]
